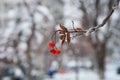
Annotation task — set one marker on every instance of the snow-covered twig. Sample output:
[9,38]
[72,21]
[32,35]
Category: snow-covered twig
[114,7]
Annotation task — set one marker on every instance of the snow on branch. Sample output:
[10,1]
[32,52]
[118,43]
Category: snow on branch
[114,7]
[65,33]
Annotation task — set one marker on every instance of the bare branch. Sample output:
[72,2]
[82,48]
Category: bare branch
[114,7]
[79,31]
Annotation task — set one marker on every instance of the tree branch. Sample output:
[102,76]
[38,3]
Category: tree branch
[114,7]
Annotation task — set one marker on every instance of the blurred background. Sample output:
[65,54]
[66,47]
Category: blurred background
[26,27]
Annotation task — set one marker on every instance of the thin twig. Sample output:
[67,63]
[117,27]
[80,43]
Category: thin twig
[114,7]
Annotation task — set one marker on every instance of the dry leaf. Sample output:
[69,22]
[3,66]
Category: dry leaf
[68,37]
[62,37]
[62,32]
[63,27]
[79,29]
[63,41]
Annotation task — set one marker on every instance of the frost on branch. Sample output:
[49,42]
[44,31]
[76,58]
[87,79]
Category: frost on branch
[65,34]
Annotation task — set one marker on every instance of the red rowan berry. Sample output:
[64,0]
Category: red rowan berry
[53,51]
[51,44]
[57,52]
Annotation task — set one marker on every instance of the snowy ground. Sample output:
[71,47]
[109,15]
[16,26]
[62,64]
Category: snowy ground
[110,74]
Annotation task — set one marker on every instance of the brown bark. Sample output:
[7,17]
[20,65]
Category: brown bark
[100,57]
[29,57]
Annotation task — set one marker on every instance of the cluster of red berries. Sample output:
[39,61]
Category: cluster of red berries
[53,50]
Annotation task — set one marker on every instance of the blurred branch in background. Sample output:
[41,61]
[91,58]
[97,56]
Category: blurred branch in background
[100,46]
[21,38]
